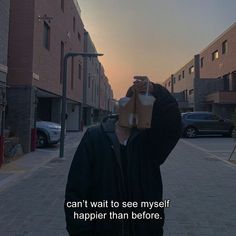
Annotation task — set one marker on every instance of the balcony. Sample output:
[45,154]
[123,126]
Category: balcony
[184,101]
[183,104]
[222,97]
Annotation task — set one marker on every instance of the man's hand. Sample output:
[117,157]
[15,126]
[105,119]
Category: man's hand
[141,86]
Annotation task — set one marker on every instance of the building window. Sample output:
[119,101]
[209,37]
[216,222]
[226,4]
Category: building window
[79,37]
[61,63]
[80,71]
[202,61]
[179,77]
[224,47]
[62,5]
[226,82]
[174,80]
[46,36]
[72,72]
[183,74]
[73,24]
[169,84]
[185,95]
[191,69]
[190,92]
[215,55]
[89,81]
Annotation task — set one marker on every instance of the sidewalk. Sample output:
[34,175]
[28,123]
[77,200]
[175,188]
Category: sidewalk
[29,163]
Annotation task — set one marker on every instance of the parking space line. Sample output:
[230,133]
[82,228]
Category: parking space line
[219,151]
[233,166]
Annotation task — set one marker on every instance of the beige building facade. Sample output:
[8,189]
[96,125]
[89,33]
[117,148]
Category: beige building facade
[208,81]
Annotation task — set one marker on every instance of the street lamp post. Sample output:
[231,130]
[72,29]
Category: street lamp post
[64,96]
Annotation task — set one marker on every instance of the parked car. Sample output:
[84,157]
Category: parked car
[195,123]
[47,133]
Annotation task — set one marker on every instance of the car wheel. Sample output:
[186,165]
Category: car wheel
[190,132]
[41,140]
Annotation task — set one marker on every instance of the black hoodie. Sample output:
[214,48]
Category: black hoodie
[96,172]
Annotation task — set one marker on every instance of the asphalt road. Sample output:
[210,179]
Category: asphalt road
[197,179]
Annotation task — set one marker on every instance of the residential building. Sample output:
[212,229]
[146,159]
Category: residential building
[38,42]
[218,63]
[97,92]
[91,83]
[181,84]
[208,81]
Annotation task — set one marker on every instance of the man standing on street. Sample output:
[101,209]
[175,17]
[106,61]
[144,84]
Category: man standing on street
[116,163]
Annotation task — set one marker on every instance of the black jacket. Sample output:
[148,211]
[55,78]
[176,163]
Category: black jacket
[96,171]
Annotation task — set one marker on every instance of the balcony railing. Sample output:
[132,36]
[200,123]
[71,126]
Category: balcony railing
[223,97]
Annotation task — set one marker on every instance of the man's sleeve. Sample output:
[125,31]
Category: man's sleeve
[166,125]
[78,188]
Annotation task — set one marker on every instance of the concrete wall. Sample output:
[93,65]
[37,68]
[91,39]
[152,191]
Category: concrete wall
[21,113]
[21,43]
[4,30]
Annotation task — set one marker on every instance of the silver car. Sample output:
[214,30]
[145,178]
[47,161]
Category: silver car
[47,133]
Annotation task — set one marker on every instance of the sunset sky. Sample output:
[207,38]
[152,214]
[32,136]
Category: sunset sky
[152,37]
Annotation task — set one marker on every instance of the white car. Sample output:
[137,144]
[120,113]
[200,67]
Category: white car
[47,133]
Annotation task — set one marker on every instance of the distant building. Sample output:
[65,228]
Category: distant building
[208,81]
[104,94]
[97,92]
[41,33]
[91,83]
[181,84]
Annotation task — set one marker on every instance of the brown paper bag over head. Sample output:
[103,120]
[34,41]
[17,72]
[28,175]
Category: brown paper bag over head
[144,107]
[136,111]
[126,112]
